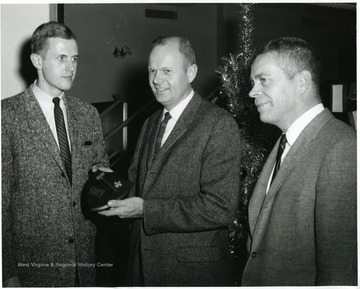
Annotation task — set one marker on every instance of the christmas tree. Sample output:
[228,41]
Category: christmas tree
[257,138]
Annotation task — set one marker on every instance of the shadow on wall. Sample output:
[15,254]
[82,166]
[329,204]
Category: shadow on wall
[26,69]
[134,87]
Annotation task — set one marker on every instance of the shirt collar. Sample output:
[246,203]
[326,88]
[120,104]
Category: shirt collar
[43,97]
[176,111]
[300,123]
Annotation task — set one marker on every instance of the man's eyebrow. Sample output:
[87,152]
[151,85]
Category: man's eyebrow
[259,75]
[256,76]
[66,55]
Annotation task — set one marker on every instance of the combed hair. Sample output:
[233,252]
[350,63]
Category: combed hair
[185,48]
[52,29]
[294,55]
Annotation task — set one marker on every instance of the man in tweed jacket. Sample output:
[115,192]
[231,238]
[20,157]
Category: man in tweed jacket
[46,240]
[187,193]
[303,224]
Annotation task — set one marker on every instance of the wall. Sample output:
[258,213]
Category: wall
[213,28]
[102,27]
[18,22]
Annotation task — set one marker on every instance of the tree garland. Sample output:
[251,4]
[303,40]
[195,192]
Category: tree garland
[257,138]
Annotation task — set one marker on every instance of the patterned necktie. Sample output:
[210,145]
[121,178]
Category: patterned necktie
[281,149]
[62,137]
[162,131]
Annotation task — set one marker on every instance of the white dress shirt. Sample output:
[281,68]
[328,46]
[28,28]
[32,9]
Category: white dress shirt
[47,106]
[175,115]
[295,130]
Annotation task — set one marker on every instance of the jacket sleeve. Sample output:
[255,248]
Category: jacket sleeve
[99,141]
[8,189]
[335,216]
[215,202]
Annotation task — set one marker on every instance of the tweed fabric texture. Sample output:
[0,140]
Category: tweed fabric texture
[44,233]
[191,194]
[304,230]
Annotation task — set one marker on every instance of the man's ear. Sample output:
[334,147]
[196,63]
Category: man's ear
[304,80]
[36,60]
[191,72]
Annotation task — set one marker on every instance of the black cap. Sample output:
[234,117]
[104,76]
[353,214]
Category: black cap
[102,187]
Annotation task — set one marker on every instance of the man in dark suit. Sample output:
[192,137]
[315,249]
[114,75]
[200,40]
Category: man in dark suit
[187,180]
[303,215]
[46,241]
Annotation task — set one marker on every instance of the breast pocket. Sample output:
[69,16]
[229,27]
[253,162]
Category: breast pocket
[84,154]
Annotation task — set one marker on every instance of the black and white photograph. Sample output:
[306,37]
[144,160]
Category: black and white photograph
[179,144]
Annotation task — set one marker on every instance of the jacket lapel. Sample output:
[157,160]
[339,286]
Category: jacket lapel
[181,125]
[40,132]
[299,150]
[154,127]
[73,126]
[259,193]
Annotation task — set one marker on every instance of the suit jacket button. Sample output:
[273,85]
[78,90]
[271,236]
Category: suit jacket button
[253,255]
[63,175]
[71,240]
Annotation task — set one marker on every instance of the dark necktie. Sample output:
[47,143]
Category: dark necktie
[62,137]
[162,131]
[281,149]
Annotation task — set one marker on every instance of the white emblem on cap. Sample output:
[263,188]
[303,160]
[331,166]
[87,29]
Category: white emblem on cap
[117,184]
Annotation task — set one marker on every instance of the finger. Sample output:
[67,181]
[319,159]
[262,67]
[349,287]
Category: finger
[106,170]
[115,203]
[109,213]
[103,169]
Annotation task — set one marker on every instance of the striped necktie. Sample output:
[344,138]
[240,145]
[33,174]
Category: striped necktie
[62,137]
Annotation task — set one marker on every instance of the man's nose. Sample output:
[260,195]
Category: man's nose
[254,92]
[157,77]
[70,65]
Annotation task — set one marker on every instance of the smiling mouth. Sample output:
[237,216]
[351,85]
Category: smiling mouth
[160,89]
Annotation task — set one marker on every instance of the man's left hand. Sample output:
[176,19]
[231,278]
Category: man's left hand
[127,208]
